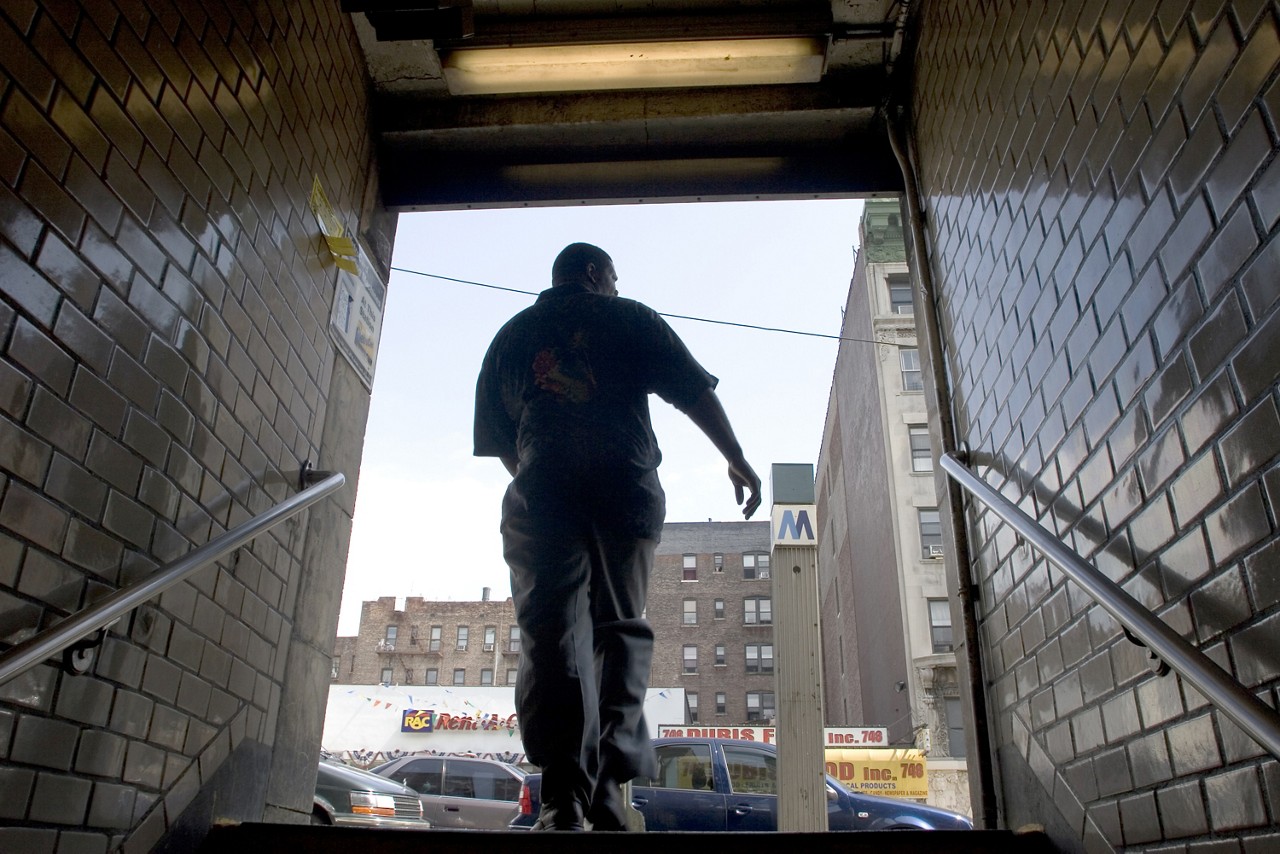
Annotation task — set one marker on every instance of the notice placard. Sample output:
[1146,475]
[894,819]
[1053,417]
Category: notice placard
[355,319]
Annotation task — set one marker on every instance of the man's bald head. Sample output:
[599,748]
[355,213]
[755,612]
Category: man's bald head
[582,263]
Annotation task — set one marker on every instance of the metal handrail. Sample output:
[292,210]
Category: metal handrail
[63,637]
[1255,717]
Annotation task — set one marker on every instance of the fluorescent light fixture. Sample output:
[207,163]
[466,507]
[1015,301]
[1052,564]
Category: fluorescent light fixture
[644,172]
[634,65]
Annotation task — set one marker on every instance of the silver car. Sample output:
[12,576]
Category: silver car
[458,792]
[350,797]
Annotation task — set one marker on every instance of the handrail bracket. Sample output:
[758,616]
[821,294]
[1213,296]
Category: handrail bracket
[309,475]
[1158,665]
[78,658]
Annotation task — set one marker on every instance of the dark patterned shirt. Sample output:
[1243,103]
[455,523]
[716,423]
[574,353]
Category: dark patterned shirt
[564,389]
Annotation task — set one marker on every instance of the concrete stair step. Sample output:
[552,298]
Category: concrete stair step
[241,838]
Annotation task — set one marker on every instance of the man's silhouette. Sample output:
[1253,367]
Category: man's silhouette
[562,400]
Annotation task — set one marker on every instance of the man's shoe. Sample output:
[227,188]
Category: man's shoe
[608,811]
[560,816]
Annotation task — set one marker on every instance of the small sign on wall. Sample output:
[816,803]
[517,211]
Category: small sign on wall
[417,720]
[355,319]
[895,773]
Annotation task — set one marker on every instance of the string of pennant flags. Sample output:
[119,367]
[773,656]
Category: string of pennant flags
[367,758]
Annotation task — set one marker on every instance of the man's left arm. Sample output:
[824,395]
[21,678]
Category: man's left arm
[709,416]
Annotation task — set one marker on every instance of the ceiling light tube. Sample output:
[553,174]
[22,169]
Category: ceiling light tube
[635,65]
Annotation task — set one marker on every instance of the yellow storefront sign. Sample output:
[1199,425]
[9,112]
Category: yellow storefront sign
[897,773]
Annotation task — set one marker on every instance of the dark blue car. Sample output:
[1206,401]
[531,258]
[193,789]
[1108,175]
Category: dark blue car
[711,784]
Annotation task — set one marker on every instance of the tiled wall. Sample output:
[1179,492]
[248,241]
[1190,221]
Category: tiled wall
[165,365]
[1102,195]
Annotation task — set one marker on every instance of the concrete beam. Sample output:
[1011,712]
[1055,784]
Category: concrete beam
[818,141]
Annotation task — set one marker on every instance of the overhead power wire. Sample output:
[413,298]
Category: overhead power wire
[662,313]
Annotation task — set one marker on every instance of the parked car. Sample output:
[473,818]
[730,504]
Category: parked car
[460,792]
[348,796]
[710,784]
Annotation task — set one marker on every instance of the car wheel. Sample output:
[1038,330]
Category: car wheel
[319,817]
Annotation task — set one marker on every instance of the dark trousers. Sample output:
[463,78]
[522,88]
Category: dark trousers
[579,590]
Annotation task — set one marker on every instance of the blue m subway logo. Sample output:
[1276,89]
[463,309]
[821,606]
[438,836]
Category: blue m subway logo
[793,524]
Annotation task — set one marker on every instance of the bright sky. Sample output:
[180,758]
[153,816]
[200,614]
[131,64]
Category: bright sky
[426,518]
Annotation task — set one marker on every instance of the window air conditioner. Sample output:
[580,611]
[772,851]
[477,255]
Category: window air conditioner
[935,551]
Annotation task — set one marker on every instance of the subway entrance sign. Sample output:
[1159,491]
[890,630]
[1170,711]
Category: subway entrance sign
[794,525]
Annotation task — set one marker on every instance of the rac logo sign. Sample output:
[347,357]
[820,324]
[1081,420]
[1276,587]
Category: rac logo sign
[793,525]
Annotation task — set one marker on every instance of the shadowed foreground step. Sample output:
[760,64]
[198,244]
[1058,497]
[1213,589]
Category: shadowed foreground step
[236,839]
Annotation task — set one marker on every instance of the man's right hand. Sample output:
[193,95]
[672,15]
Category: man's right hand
[745,480]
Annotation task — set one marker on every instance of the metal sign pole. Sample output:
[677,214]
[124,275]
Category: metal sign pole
[802,790]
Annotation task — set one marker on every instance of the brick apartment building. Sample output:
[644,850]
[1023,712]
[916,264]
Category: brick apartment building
[412,641]
[710,605]
[711,608]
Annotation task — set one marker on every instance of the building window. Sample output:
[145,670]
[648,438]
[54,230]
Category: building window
[909,358]
[433,645]
[433,676]
[490,638]
[717,562]
[757,611]
[921,452]
[333,668]
[755,565]
[691,699]
[719,609]
[720,655]
[392,631]
[760,707]
[690,568]
[955,727]
[463,632]
[690,658]
[900,295]
[511,676]
[486,676]
[513,639]
[930,532]
[940,625]
[690,612]
[722,703]
[408,676]
[386,676]
[459,676]
[759,658]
